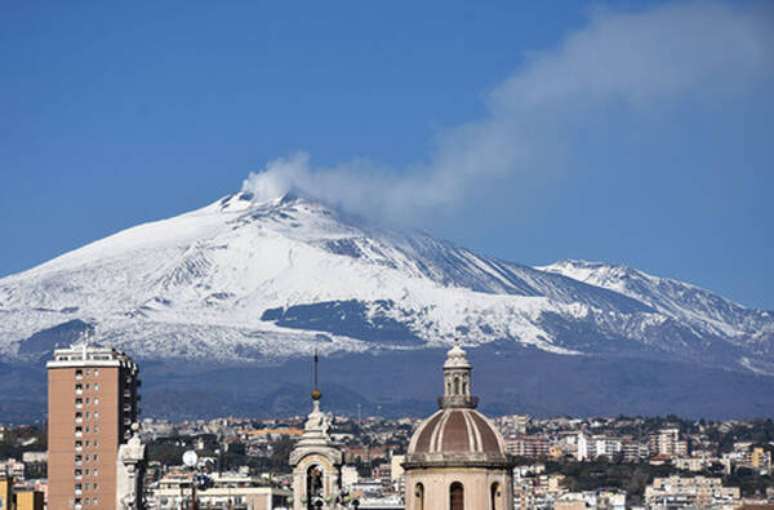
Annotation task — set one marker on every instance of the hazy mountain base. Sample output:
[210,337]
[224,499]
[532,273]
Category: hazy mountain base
[509,379]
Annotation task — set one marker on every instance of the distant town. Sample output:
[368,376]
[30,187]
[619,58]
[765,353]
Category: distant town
[561,463]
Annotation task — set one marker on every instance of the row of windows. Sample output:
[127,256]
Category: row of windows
[88,414]
[80,401]
[80,387]
[87,457]
[86,501]
[88,443]
[79,429]
[87,472]
[86,486]
[79,372]
[457,497]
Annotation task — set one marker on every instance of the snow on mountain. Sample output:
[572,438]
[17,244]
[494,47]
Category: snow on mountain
[704,311]
[242,280]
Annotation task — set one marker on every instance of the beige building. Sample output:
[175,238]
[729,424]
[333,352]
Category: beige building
[6,494]
[92,402]
[228,491]
[457,459]
[29,500]
[694,492]
[316,463]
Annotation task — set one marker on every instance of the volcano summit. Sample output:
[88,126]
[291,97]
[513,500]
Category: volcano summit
[244,288]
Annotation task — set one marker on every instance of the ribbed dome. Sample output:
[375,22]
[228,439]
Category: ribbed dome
[456,436]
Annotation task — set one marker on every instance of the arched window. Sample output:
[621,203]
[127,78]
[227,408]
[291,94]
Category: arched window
[419,494]
[456,496]
[314,486]
[494,497]
[464,388]
[456,385]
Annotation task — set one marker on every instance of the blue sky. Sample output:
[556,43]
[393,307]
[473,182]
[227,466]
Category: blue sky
[630,132]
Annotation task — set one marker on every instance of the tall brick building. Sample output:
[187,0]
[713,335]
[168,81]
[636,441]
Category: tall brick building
[92,403]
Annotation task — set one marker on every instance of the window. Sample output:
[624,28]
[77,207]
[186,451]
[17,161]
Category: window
[456,496]
[456,386]
[494,497]
[419,494]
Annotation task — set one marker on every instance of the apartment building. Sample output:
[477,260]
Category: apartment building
[92,403]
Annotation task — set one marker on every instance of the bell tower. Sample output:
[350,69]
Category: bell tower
[457,381]
[316,461]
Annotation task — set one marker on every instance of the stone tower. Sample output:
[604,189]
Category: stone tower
[316,462]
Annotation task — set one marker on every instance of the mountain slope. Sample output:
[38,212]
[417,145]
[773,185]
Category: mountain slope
[244,281]
[703,311]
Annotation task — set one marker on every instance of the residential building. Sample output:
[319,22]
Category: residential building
[696,492]
[533,447]
[92,403]
[228,491]
[29,500]
[6,491]
[667,443]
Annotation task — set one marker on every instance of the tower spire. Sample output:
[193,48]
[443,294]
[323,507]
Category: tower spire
[316,393]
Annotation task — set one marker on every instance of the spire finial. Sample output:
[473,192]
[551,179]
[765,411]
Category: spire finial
[316,393]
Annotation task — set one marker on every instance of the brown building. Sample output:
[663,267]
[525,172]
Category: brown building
[92,403]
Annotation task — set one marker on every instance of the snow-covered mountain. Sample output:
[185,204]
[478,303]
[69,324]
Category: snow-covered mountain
[241,281]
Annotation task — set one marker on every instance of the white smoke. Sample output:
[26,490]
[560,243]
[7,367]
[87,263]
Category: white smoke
[639,60]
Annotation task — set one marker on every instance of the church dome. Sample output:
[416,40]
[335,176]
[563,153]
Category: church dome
[457,434]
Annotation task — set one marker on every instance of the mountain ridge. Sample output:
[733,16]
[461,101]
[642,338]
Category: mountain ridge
[240,280]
